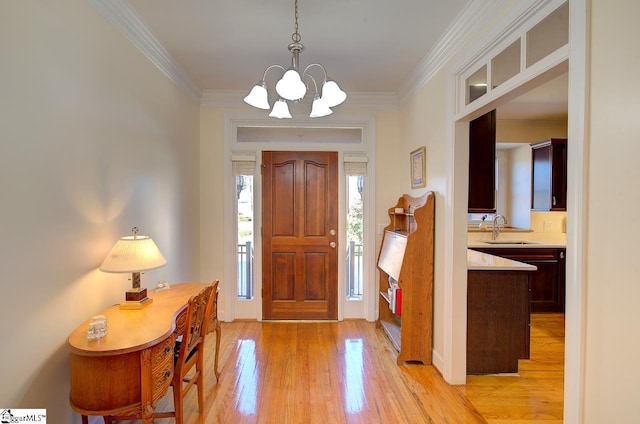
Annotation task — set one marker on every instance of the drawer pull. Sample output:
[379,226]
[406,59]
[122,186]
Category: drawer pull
[167,373]
[167,348]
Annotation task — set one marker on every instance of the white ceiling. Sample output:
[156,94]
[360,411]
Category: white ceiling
[367,46]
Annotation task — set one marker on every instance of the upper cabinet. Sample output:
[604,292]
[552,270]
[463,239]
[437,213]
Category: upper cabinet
[549,175]
[482,164]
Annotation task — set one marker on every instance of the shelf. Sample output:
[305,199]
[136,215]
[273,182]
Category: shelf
[393,332]
[402,233]
[406,256]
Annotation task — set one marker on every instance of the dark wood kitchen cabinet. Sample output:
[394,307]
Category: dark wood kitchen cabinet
[498,320]
[482,164]
[549,175]
[547,282]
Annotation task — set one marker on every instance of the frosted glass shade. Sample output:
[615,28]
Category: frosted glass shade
[319,108]
[332,95]
[133,254]
[280,110]
[257,97]
[290,86]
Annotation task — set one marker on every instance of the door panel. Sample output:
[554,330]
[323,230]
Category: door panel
[300,198]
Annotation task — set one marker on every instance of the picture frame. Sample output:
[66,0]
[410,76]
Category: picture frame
[418,163]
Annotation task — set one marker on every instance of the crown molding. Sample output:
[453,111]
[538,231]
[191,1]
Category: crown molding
[232,99]
[472,17]
[475,14]
[125,19]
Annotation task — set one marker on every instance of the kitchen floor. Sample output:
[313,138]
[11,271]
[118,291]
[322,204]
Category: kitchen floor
[536,394]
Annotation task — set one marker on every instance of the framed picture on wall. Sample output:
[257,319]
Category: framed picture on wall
[418,168]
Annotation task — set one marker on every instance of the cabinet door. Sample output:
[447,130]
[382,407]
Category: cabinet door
[545,292]
[482,164]
[549,175]
[541,178]
[559,176]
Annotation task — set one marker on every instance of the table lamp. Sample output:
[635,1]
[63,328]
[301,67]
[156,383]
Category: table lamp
[134,254]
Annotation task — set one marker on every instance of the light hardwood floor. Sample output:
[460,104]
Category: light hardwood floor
[346,373]
[535,395]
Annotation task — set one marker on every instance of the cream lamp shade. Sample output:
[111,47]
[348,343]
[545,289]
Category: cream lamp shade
[134,254]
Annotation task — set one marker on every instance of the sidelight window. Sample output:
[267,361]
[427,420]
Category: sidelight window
[356,171]
[243,170]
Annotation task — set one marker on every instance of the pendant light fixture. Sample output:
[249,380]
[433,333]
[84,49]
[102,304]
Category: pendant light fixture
[293,85]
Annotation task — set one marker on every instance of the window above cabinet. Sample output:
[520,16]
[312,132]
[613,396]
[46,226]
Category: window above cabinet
[518,55]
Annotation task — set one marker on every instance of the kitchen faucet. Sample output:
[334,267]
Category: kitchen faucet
[496,226]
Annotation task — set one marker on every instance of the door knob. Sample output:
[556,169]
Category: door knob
[332,244]
[332,232]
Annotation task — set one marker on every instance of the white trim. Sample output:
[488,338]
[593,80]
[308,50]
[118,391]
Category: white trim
[469,21]
[243,158]
[577,204]
[232,99]
[127,21]
[231,147]
[355,158]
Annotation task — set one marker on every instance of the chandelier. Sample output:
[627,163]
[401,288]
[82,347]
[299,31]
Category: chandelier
[292,86]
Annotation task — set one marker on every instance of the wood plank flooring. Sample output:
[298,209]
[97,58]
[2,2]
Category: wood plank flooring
[309,372]
[536,394]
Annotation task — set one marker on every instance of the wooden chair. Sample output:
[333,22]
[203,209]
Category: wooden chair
[190,352]
[214,325]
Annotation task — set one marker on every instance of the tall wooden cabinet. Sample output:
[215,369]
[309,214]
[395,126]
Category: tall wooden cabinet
[406,256]
[549,175]
[482,164]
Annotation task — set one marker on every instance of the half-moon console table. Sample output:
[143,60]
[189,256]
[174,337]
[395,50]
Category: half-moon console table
[130,369]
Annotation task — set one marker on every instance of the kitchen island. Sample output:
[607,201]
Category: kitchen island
[498,313]
[547,283]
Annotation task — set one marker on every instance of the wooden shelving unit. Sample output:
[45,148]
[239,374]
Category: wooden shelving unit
[406,255]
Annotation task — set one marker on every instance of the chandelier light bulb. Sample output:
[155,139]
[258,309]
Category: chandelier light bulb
[258,97]
[290,86]
[319,108]
[280,110]
[332,95]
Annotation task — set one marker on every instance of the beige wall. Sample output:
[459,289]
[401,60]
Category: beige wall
[612,283]
[519,131]
[424,124]
[212,198]
[93,141]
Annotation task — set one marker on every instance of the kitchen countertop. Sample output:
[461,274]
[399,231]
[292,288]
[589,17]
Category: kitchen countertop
[478,261]
[516,244]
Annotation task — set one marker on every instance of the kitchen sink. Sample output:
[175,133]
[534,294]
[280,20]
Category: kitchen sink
[510,242]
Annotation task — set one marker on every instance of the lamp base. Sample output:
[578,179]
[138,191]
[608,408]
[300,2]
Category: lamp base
[136,295]
[136,298]
[136,304]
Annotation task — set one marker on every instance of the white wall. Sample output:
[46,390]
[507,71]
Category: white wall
[93,141]
[612,284]
[520,187]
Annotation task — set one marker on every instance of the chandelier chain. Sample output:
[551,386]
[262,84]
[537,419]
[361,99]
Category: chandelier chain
[296,37]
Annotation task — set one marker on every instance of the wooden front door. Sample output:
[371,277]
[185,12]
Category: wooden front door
[299,235]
